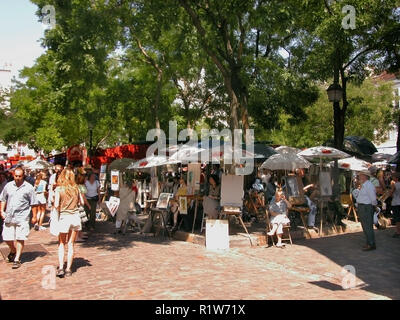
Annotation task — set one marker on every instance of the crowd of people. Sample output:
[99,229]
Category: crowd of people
[26,196]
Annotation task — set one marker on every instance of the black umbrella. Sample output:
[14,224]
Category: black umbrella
[395,159]
[262,149]
[355,145]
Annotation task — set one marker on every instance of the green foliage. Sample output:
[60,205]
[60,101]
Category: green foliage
[370,115]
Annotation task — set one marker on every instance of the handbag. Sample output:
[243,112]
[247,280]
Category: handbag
[81,210]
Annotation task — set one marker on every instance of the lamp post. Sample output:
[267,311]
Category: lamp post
[90,139]
[335,94]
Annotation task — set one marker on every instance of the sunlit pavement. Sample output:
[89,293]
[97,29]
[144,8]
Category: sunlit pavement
[108,266]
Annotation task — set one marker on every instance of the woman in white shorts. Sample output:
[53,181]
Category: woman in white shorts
[40,189]
[67,201]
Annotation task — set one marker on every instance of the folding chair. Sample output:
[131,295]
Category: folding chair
[347,202]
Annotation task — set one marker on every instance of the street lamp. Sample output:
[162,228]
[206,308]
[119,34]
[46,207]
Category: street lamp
[335,92]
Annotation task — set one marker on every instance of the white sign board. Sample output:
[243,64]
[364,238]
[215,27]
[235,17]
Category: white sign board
[232,191]
[217,234]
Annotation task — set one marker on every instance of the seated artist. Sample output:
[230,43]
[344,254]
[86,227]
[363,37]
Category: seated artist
[279,209]
[211,202]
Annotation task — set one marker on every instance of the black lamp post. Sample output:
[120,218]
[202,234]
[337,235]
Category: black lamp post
[335,94]
[90,139]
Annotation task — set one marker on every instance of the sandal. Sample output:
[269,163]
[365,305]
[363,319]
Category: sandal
[282,246]
[16,264]
[60,273]
[11,256]
[68,273]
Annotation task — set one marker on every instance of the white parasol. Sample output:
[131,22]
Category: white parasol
[286,149]
[38,164]
[322,152]
[353,164]
[150,162]
[285,161]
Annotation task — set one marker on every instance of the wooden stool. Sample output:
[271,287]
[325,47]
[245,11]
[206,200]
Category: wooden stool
[203,223]
[347,202]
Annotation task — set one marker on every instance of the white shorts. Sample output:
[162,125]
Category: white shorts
[41,199]
[13,231]
[69,222]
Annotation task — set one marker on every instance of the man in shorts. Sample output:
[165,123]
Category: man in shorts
[17,198]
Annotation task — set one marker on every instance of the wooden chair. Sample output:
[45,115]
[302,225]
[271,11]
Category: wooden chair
[347,202]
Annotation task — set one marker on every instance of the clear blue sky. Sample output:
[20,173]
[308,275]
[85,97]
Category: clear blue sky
[20,32]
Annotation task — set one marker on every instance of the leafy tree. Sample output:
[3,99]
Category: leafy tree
[370,114]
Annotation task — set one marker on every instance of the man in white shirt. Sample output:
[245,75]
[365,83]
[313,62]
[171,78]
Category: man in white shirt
[366,200]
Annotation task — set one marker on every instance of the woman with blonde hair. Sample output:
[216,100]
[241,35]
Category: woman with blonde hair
[67,201]
[41,195]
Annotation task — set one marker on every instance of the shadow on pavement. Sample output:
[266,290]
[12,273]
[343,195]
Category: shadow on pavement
[81,262]
[105,239]
[377,269]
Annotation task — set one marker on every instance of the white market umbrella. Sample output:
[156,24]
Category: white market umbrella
[38,164]
[285,161]
[286,149]
[353,164]
[150,162]
[322,152]
[186,153]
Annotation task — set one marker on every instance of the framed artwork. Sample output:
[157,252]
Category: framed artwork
[325,183]
[182,205]
[292,187]
[163,200]
[102,176]
[193,177]
[115,180]
[154,188]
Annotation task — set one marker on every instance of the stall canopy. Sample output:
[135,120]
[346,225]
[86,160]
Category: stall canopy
[120,164]
[262,151]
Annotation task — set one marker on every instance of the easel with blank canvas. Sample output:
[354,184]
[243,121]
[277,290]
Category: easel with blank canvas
[232,198]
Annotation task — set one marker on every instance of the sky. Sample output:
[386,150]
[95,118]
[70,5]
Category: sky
[20,33]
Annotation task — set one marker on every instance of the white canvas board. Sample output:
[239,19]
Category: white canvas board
[217,234]
[232,190]
[325,183]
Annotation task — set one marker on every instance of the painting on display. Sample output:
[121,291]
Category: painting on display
[115,180]
[182,205]
[163,200]
[193,177]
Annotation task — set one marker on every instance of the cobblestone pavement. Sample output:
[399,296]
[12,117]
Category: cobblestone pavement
[133,266]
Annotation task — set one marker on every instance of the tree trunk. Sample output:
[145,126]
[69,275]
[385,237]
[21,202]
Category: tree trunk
[398,134]
[158,98]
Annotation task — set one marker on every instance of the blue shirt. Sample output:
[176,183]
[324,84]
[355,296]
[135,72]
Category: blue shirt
[18,201]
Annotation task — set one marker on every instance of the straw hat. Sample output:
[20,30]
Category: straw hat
[366,173]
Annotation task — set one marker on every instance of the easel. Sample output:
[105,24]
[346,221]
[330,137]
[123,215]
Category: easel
[231,191]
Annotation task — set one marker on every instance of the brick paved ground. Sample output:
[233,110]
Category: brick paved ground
[138,267]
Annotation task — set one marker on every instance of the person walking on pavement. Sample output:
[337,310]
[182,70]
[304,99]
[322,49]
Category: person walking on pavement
[395,193]
[17,198]
[39,211]
[366,200]
[92,195]
[66,202]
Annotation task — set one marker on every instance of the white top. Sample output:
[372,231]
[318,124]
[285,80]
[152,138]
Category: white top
[92,189]
[367,194]
[396,195]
